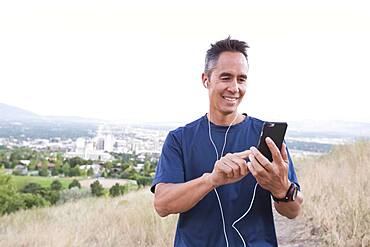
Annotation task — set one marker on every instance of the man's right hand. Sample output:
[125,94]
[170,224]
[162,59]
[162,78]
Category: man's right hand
[229,169]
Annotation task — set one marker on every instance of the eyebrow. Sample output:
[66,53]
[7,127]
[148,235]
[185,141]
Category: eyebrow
[229,74]
[225,74]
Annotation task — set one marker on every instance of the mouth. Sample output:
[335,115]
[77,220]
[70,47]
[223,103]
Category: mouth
[230,99]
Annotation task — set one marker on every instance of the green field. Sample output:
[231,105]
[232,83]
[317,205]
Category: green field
[21,181]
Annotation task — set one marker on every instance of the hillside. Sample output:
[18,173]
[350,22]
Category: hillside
[125,221]
[12,113]
[336,212]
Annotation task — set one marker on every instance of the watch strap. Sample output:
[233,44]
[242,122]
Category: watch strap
[290,195]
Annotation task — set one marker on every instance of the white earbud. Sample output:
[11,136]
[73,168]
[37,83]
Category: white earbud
[206,84]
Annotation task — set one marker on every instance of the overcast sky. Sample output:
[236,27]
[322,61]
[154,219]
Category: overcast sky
[143,61]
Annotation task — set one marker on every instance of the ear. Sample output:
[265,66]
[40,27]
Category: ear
[205,80]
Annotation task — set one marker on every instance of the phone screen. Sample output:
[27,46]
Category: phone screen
[274,130]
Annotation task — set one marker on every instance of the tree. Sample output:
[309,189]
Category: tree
[44,172]
[108,165]
[74,183]
[52,196]
[56,185]
[33,188]
[66,169]
[58,167]
[32,165]
[143,181]
[75,172]
[10,200]
[76,161]
[90,172]
[117,190]
[54,172]
[31,200]
[146,168]
[96,188]
[105,174]
[59,158]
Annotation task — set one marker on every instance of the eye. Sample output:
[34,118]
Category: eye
[242,80]
[225,78]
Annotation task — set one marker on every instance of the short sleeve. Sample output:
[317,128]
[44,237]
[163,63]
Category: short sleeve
[291,172]
[170,168]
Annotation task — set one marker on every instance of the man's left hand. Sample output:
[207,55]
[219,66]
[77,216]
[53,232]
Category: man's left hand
[272,176]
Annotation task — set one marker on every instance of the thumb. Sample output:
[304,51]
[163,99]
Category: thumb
[244,154]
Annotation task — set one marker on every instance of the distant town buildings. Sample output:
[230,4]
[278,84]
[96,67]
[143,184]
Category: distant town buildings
[108,139]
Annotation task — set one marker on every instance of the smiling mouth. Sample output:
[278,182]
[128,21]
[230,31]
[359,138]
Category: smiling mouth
[230,99]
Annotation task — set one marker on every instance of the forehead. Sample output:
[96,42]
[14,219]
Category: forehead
[232,62]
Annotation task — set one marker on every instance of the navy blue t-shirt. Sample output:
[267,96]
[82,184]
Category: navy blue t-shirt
[187,154]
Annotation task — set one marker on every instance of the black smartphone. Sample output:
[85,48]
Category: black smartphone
[274,130]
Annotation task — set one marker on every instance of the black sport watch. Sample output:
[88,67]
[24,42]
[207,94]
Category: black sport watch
[290,195]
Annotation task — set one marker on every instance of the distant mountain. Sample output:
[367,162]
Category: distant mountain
[329,128]
[22,124]
[12,113]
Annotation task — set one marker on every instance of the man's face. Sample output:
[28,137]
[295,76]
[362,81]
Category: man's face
[227,83]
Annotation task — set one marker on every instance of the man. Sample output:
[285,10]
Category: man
[223,200]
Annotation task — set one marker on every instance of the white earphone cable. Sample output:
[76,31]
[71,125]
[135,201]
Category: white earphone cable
[218,198]
[223,148]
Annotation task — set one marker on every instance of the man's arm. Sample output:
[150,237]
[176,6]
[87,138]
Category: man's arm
[290,209]
[170,198]
[273,176]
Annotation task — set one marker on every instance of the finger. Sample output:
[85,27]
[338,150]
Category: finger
[284,153]
[262,160]
[244,154]
[234,166]
[243,169]
[225,169]
[258,168]
[251,169]
[276,156]
[236,159]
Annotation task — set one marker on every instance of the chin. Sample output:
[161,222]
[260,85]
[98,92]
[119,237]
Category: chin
[229,111]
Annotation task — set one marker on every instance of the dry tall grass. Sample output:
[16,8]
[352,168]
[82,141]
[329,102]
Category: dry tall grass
[336,192]
[124,221]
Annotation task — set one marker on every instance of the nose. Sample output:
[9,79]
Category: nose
[233,86]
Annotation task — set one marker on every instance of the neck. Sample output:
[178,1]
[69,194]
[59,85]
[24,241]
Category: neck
[225,120]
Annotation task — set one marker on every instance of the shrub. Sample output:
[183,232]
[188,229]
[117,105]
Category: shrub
[31,200]
[10,201]
[143,181]
[43,172]
[73,194]
[97,189]
[56,185]
[117,190]
[51,196]
[33,188]
[74,183]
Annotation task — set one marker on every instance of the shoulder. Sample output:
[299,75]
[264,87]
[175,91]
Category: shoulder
[254,122]
[186,130]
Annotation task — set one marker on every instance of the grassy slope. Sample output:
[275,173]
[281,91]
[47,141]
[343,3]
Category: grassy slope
[336,192]
[336,189]
[21,181]
[125,221]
